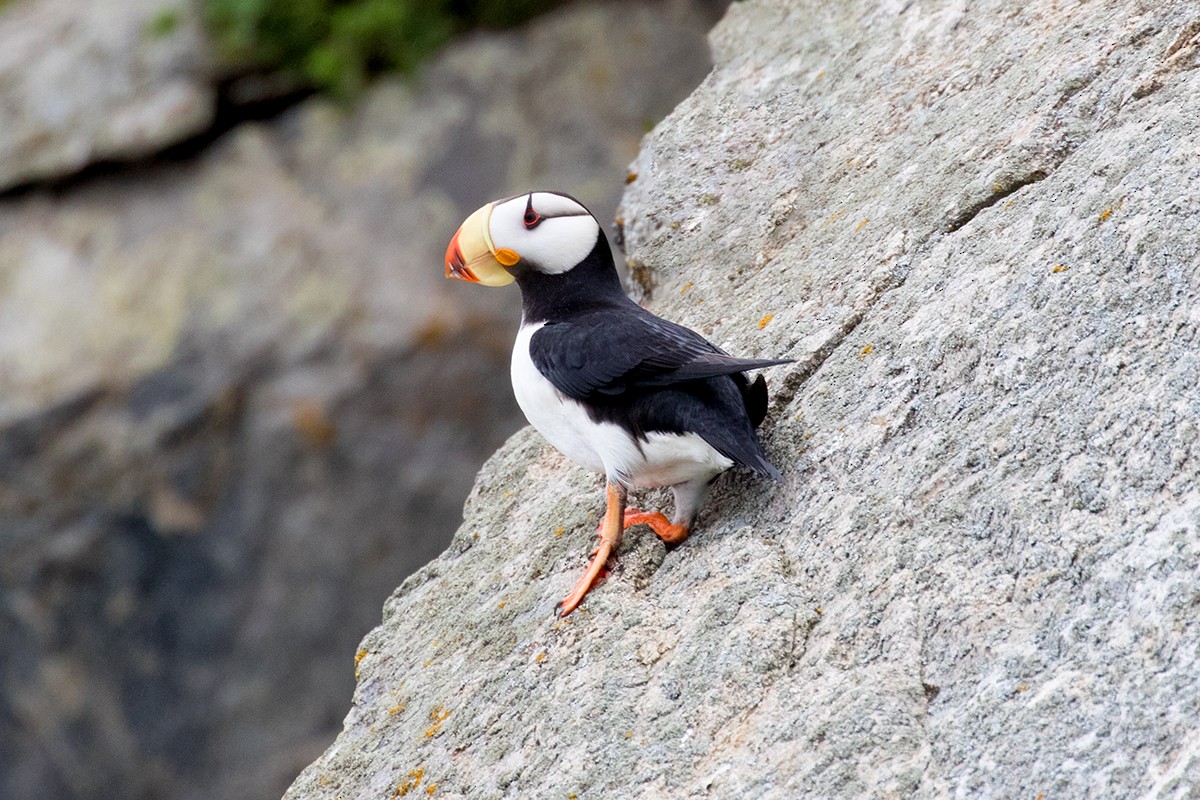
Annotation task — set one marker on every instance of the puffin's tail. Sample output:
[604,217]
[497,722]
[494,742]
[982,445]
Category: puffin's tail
[754,396]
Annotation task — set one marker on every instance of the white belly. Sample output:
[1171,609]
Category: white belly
[664,459]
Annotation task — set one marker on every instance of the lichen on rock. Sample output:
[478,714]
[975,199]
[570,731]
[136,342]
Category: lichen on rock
[979,575]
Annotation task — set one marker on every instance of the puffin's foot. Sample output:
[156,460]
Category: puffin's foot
[610,537]
[595,571]
[670,532]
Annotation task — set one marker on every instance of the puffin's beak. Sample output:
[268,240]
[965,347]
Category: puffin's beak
[471,256]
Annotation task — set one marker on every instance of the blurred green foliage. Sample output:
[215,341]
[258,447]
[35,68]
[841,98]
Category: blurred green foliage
[337,45]
[161,24]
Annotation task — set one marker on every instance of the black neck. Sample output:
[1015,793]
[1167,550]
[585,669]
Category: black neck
[592,283]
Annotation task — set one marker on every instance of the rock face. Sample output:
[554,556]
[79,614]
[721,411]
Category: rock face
[974,227]
[88,80]
[240,403]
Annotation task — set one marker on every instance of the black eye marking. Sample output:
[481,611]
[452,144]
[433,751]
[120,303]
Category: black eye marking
[532,218]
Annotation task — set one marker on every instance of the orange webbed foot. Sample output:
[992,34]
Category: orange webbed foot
[596,570]
[669,532]
[610,537]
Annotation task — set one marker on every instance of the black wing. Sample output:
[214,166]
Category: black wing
[614,351]
[647,374]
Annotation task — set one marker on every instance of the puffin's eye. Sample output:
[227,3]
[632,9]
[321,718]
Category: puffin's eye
[532,218]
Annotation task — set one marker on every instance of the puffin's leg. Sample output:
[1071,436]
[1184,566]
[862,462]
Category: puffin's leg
[688,499]
[610,536]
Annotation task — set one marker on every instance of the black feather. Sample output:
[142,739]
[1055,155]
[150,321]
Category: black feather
[647,374]
[644,373]
[754,396]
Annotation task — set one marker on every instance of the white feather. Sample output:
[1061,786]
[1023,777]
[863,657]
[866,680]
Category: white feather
[564,237]
[663,459]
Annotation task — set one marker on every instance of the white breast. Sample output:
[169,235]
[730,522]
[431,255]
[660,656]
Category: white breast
[664,459]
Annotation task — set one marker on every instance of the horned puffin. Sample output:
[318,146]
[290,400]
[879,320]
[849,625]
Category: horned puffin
[644,401]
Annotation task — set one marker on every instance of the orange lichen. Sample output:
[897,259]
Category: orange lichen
[687,287]
[1105,214]
[539,658]
[310,421]
[866,351]
[358,657]
[599,75]
[630,177]
[559,531]
[438,715]
[414,780]
[434,332]
[396,709]
[862,225]
[765,321]
[1060,268]
[431,788]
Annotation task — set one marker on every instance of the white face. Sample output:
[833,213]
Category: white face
[550,232]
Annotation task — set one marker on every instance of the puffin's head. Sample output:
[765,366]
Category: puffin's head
[543,231]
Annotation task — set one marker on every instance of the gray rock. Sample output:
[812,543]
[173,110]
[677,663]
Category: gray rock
[241,403]
[91,80]
[974,227]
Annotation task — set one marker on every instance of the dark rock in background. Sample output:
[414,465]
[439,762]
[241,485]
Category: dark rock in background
[239,403]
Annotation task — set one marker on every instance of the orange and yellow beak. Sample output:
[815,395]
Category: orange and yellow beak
[472,257]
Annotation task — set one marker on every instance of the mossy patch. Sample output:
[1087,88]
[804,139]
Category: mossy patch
[161,25]
[338,45]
